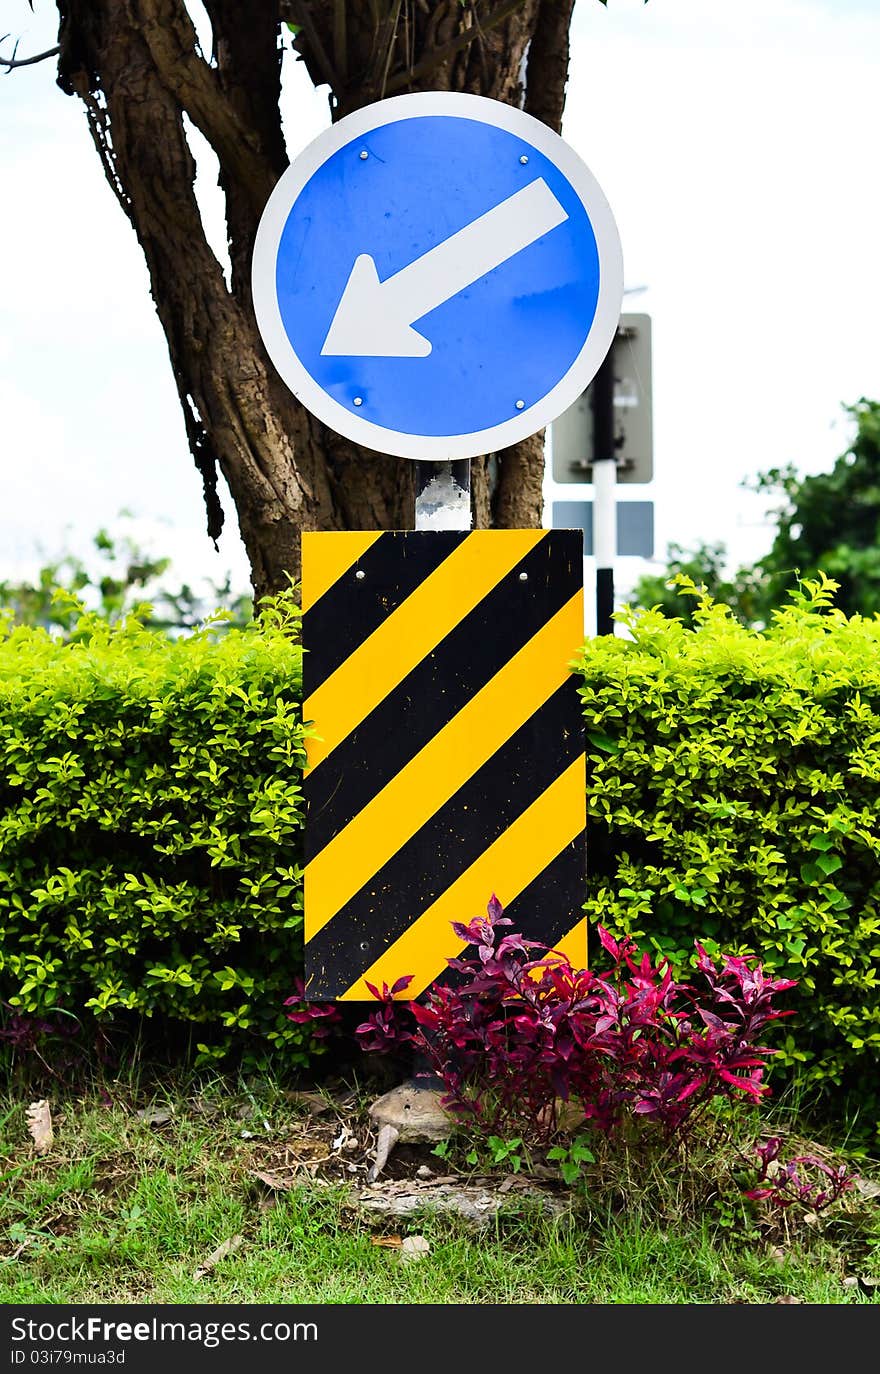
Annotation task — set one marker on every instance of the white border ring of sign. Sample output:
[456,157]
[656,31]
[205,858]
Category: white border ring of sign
[437,448]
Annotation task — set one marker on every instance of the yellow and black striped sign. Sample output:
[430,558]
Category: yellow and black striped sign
[447,761]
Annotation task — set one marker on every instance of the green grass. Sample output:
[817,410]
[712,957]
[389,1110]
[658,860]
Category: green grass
[123,1211]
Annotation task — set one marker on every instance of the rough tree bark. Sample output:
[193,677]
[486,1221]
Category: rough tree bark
[138,69]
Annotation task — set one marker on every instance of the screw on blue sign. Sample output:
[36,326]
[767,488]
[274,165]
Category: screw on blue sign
[437,276]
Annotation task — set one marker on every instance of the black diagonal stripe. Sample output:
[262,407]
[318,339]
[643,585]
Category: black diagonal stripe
[438,688]
[552,904]
[549,908]
[454,838]
[353,607]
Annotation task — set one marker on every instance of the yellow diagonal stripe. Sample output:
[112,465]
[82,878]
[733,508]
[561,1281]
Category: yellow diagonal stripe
[506,868]
[445,763]
[574,945]
[325,558]
[411,632]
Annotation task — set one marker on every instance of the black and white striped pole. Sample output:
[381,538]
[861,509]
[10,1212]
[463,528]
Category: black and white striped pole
[604,493]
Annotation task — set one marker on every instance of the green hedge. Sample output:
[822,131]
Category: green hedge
[734,795]
[151,814]
[151,825]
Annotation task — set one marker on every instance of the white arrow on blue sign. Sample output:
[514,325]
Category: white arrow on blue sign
[437,276]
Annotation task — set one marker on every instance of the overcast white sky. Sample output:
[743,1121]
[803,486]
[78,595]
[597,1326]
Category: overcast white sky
[736,141]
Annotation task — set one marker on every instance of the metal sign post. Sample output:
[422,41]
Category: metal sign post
[572,433]
[606,438]
[443,496]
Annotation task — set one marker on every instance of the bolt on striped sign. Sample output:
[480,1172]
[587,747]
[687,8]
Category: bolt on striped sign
[447,755]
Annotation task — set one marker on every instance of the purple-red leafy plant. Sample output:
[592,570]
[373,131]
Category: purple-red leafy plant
[323,1017]
[27,1034]
[520,1030]
[806,1180]
[385,1030]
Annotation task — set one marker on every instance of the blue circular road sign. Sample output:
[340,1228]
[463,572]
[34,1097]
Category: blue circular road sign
[437,276]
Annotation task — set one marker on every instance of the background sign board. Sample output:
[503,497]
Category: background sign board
[437,276]
[447,760]
[572,432]
[635,525]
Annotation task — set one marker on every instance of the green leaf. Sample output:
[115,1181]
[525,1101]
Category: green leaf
[829,863]
[602,741]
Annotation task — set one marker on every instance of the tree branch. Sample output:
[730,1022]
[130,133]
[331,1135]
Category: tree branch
[340,40]
[99,128]
[11,62]
[171,39]
[388,38]
[437,56]
[302,16]
[547,62]
[237,414]
[248,70]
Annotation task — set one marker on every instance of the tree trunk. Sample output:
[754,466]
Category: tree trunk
[138,69]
